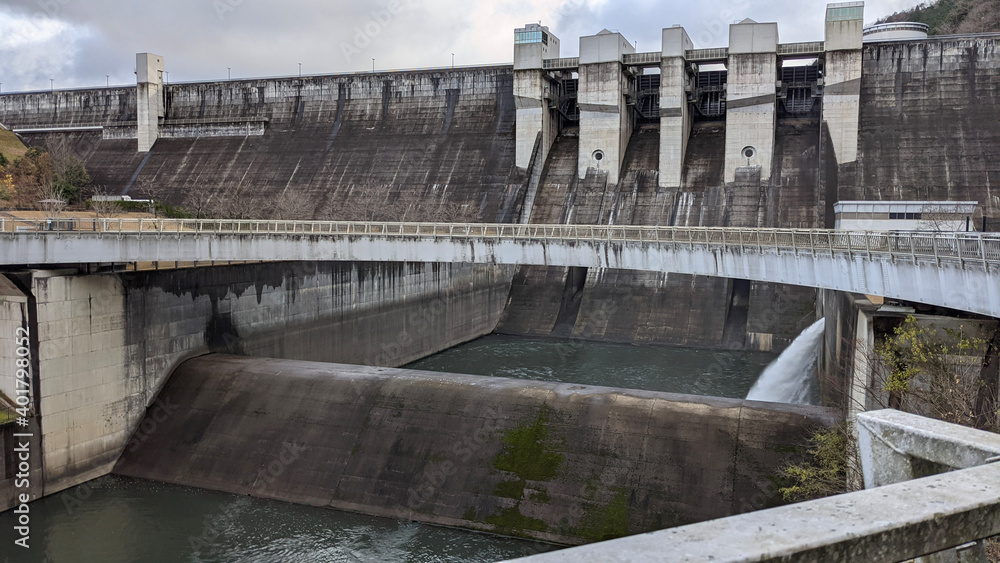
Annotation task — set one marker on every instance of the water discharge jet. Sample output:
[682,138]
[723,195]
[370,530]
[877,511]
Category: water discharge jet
[789,378]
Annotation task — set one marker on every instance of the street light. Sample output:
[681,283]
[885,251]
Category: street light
[373,65]
[453,60]
[230,69]
[52,84]
[300,70]
[108,77]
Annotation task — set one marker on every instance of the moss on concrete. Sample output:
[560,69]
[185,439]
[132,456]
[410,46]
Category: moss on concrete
[510,489]
[528,452]
[608,521]
[511,521]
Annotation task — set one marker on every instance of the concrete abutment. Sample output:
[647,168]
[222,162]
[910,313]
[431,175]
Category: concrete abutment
[106,344]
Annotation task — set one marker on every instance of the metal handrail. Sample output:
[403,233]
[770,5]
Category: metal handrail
[806,48]
[712,54]
[976,248]
[565,62]
[642,58]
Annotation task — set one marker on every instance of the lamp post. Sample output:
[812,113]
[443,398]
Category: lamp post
[108,80]
[300,70]
[453,60]
[52,84]
[373,65]
[230,72]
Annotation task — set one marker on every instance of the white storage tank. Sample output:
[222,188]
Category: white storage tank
[899,31]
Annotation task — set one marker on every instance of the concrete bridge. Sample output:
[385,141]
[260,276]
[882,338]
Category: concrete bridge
[955,270]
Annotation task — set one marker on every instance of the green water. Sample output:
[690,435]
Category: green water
[114,519]
[652,368]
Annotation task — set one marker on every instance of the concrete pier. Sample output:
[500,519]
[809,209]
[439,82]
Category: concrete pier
[842,89]
[149,96]
[605,123]
[536,123]
[750,98]
[675,110]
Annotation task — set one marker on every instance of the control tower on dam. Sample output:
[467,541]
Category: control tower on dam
[754,133]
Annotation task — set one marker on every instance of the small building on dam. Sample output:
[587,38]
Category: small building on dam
[203,373]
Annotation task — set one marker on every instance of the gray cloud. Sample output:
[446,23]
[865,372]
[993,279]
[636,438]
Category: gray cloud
[78,42]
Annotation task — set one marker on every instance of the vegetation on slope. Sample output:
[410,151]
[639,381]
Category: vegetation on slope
[952,16]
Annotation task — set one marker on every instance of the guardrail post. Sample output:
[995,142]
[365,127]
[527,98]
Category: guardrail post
[958,250]
[982,252]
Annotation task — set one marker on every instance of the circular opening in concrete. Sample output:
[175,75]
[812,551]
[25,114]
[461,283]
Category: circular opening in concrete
[598,155]
[749,152]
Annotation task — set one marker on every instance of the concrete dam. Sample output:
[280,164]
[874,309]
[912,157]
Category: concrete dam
[205,376]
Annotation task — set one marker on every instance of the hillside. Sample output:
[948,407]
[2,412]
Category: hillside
[10,146]
[953,16]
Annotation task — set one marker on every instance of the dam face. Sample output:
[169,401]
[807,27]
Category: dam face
[737,136]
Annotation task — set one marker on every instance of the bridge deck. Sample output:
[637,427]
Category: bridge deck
[957,270]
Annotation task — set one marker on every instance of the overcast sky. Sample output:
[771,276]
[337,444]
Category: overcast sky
[78,42]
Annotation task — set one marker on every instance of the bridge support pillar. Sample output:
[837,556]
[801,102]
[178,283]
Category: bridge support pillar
[675,114]
[532,92]
[605,123]
[750,97]
[842,77]
[149,98]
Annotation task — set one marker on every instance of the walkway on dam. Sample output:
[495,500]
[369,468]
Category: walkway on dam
[955,270]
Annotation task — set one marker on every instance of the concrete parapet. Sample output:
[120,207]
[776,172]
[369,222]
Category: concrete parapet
[890,441]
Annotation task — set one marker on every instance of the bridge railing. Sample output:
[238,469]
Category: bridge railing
[980,247]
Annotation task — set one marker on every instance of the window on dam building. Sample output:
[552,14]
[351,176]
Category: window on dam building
[535,36]
[845,11]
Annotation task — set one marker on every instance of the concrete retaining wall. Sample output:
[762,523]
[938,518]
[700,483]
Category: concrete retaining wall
[107,343]
[560,462]
[928,115]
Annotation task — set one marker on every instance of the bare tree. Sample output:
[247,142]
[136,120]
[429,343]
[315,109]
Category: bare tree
[51,202]
[101,206]
[288,206]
